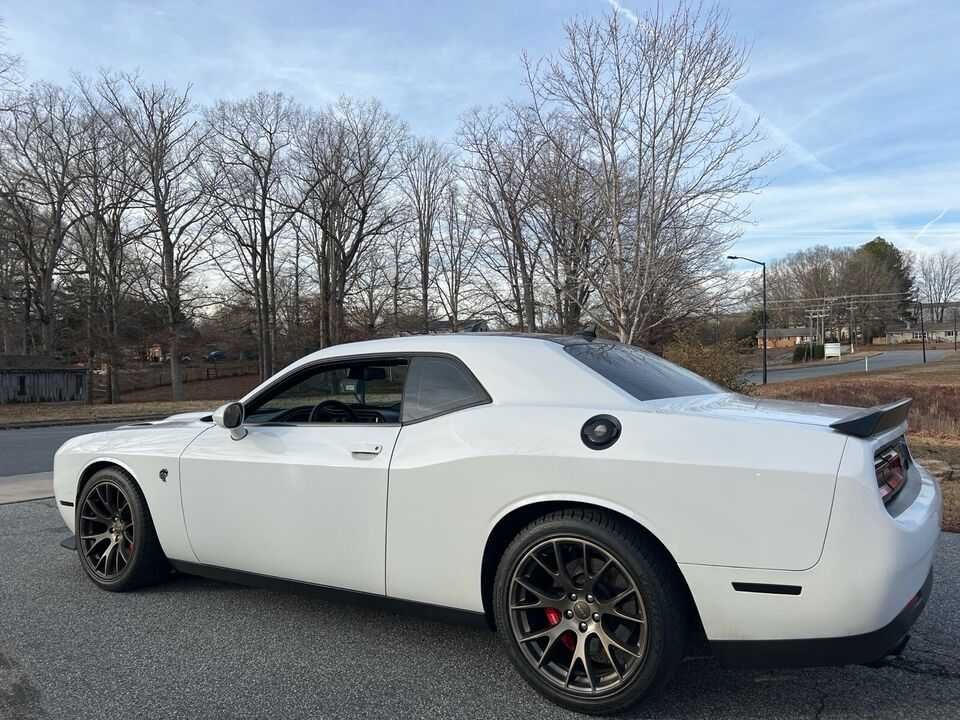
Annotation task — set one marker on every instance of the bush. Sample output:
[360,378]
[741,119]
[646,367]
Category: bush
[720,362]
[801,353]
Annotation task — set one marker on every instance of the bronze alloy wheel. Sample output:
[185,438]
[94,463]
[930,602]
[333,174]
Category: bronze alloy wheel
[578,616]
[106,530]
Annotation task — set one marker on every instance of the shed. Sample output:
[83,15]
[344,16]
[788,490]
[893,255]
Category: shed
[29,379]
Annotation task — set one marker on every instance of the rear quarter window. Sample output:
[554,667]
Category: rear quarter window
[438,385]
[640,373]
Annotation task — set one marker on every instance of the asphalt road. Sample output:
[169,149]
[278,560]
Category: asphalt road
[884,361]
[30,450]
[198,649]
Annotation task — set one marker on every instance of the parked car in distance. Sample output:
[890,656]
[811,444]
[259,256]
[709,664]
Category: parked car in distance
[216,356]
[599,507]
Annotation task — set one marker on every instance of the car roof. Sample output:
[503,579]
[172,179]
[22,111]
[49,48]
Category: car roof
[440,343]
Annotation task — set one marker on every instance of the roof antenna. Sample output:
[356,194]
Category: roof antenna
[588,332]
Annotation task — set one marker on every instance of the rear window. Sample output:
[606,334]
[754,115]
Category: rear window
[437,385]
[640,373]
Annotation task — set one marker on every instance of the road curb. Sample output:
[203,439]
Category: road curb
[86,421]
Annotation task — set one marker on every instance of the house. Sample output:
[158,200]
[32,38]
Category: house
[784,337]
[905,332]
[29,379]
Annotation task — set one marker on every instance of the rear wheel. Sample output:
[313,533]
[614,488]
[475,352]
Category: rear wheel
[590,610]
[116,542]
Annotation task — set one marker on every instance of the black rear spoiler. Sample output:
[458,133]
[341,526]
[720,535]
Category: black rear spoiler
[871,421]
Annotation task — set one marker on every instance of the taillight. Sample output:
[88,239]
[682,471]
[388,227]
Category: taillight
[891,468]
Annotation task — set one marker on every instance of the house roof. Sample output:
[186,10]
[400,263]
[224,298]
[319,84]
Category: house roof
[789,332]
[31,362]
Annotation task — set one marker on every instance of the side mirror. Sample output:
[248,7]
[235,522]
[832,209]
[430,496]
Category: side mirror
[230,417]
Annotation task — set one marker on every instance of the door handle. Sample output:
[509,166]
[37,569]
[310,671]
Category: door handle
[367,449]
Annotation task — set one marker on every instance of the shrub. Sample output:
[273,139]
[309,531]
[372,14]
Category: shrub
[801,353]
[720,362]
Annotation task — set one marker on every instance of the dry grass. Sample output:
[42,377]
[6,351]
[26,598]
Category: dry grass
[214,391]
[934,416]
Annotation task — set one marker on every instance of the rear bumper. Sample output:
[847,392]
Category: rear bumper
[850,650]
[854,605]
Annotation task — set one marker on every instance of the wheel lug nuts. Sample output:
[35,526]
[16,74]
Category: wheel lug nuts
[573,596]
[589,598]
[596,617]
[583,627]
[569,613]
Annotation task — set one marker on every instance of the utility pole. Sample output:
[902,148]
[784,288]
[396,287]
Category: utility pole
[955,329]
[923,332]
[764,266]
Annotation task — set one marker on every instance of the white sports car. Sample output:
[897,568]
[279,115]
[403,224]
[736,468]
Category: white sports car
[603,509]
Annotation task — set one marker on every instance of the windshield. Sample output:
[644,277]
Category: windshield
[641,373]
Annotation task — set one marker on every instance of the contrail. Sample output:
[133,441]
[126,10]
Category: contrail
[927,226]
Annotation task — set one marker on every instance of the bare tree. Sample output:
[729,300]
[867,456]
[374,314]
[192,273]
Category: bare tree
[426,176]
[39,175]
[939,280]
[256,194]
[456,255]
[370,289]
[106,202]
[167,143]
[567,216]
[351,156]
[669,156]
[501,150]
[11,68]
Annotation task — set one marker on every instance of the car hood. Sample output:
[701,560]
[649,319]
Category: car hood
[742,407]
[177,420]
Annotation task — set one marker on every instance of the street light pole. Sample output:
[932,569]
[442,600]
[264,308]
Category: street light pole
[923,333]
[763,265]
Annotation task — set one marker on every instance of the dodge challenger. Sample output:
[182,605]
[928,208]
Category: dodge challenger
[605,511]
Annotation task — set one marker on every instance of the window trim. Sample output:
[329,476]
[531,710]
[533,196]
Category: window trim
[348,359]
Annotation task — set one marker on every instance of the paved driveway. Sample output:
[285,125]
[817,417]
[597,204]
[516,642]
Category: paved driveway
[198,649]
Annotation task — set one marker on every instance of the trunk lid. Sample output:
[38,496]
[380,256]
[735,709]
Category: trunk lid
[732,406]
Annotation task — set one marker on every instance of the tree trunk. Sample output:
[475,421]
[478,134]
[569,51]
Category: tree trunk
[424,286]
[176,379]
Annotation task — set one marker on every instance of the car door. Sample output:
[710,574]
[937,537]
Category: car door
[303,494]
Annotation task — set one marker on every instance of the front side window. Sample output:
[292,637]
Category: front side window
[437,385]
[368,391]
[641,373]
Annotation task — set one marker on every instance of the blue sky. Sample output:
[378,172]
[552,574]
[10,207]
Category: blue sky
[861,97]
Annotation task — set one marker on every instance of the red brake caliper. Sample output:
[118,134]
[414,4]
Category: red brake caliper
[553,617]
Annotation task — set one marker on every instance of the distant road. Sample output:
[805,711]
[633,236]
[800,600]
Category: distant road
[30,450]
[884,361]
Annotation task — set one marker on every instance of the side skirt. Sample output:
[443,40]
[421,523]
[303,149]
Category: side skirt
[440,613]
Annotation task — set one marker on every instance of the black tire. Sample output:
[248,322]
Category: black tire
[657,593]
[111,507]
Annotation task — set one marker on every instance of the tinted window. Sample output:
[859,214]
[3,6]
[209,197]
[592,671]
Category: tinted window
[437,385]
[369,391]
[640,373]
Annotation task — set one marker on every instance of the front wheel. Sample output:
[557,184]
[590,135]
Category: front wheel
[116,542]
[590,611]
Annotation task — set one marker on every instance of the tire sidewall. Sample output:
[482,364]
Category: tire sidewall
[651,588]
[138,513]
